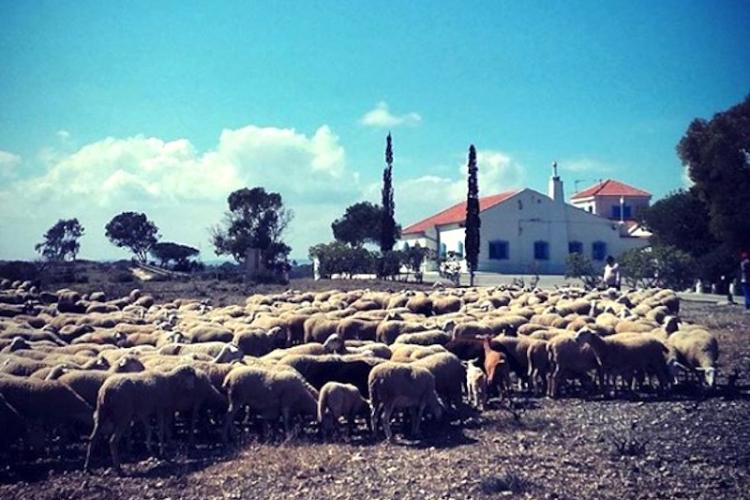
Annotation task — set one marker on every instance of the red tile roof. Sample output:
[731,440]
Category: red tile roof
[456,213]
[610,187]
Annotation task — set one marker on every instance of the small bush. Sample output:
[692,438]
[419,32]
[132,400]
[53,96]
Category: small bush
[628,443]
[660,265]
[268,278]
[120,276]
[19,271]
[508,482]
[579,266]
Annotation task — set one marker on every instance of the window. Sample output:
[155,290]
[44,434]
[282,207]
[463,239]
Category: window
[406,246]
[626,210]
[541,250]
[499,250]
[460,249]
[598,250]
[443,250]
[575,247]
[591,209]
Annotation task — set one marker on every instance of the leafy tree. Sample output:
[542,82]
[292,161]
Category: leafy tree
[389,264]
[180,254]
[413,257]
[580,267]
[717,156]
[61,241]
[134,231]
[388,234]
[338,258]
[361,223]
[473,222]
[256,219]
[662,266]
[681,219]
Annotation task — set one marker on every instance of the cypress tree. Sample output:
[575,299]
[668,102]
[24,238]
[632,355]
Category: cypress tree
[388,226]
[473,223]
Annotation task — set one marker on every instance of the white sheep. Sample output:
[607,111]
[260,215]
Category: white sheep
[338,400]
[476,384]
[397,385]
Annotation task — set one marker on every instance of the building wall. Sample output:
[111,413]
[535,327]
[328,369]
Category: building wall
[602,205]
[530,217]
[526,218]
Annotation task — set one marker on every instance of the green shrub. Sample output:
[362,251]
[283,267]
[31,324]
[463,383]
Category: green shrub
[661,265]
[120,276]
[580,267]
[19,271]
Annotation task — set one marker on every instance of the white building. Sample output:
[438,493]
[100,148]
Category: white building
[526,232]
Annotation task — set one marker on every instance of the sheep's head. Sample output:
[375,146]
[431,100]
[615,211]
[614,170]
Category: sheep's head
[229,354]
[585,334]
[449,326]
[98,363]
[129,364]
[177,337]
[709,375]
[18,343]
[671,324]
[120,338]
[334,343]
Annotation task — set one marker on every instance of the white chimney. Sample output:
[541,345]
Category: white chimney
[555,190]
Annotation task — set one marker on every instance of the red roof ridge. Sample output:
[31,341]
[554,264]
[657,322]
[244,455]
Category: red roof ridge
[610,187]
[457,213]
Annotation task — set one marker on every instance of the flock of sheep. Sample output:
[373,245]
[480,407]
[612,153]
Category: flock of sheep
[75,365]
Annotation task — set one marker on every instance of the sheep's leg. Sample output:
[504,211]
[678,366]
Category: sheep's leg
[114,440]
[374,415]
[387,411]
[194,414]
[350,425]
[92,442]
[161,420]
[147,429]
[417,417]
[229,422]
[285,414]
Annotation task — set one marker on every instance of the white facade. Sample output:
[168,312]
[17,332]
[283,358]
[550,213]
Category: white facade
[533,233]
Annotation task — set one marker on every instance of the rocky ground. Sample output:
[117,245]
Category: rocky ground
[686,446]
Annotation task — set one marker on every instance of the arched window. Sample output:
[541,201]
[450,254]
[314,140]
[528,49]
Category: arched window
[460,249]
[443,250]
[575,247]
[598,250]
[541,250]
[406,246]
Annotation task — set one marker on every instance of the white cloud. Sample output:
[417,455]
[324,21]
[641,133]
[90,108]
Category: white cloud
[63,135]
[420,197]
[585,165]
[9,162]
[183,190]
[381,117]
[687,182]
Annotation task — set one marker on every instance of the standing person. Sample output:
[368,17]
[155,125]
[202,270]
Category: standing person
[745,278]
[611,276]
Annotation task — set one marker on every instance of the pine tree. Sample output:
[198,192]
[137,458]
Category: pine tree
[473,222]
[388,226]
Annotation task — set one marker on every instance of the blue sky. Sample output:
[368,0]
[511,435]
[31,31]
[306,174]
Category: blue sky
[165,107]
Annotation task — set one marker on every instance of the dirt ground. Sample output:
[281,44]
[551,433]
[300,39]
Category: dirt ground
[686,446]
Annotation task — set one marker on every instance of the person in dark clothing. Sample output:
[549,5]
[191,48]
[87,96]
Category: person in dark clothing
[745,278]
